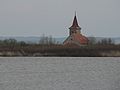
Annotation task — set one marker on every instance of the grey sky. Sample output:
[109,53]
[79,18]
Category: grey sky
[54,17]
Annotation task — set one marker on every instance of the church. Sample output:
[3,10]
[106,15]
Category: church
[75,37]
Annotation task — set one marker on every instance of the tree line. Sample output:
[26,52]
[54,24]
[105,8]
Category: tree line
[48,46]
[104,41]
[45,40]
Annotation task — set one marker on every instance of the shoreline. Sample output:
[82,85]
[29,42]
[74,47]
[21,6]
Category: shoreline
[60,52]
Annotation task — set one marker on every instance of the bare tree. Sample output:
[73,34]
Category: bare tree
[92,40]
[47,40]
[106,41]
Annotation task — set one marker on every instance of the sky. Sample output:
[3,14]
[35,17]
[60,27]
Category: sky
[99,18]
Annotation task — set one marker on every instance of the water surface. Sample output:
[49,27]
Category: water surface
[57,73]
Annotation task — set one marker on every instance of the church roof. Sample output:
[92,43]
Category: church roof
[75,22]
[76,39]
[80,38]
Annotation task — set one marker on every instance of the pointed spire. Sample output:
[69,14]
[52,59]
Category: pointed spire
[75,23]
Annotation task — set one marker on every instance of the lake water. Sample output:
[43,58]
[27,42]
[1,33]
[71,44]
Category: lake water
[53,73]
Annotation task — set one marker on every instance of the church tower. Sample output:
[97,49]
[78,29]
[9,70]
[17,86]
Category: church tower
[75,37]
[75,28]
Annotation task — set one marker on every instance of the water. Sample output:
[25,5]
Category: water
[20,73]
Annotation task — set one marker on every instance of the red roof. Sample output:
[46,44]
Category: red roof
[80,38]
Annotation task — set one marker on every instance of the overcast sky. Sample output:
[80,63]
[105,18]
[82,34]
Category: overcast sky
[54,17]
